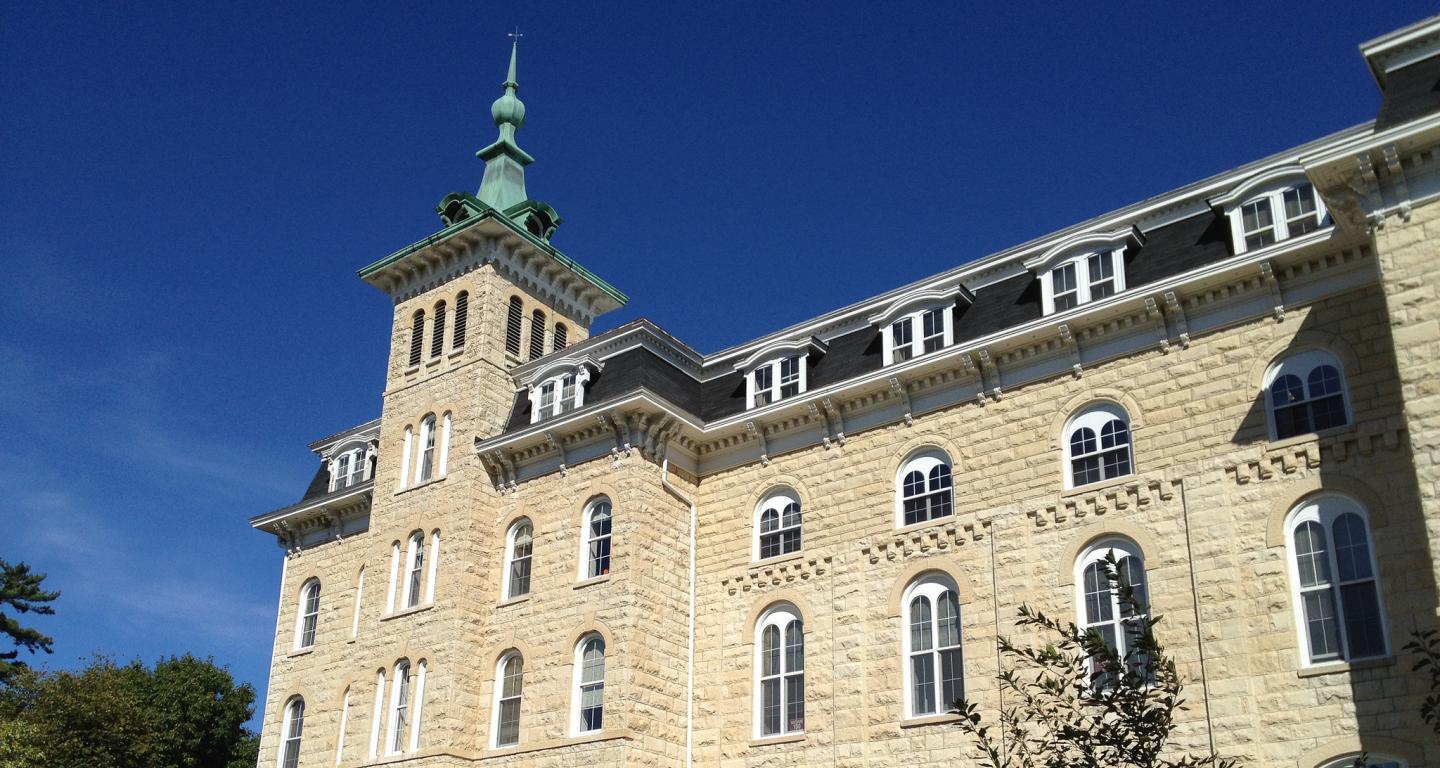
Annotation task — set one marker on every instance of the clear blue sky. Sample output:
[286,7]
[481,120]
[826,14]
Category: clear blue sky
[186,190]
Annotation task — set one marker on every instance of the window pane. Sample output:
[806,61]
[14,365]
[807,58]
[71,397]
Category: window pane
[789,377]
[508,732]
[795,703]
[902,339]
[1311,561]
[1132,573]
[952,678]
[1328,412]
[1286,390]
[1292,420]
[1117,462]
[769,521]
[600,556]
[920,639]
[1324,380]
[514,677]
[794,647]
[1102,275]
[770,706]
[770,651]
[790,541]
[593,668]
[1098,603]
[1320,623]
[1062,279]
[1352,550]
[1114,433]
[1256,217]
[948,620]
[922,683]
[1362,619]
[1085,471]
[1066,301]
[1082,441]
[792,514]
[933,322]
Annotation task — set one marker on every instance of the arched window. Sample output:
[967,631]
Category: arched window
[378,714]
[425,464]
[589,684]
[561,339]
[1097,445]
[1099,605]
[537,334]
[1371,761]
[518,543]
[344,723]
[359,593]
[437,336]
[309,614]
[598,521]
[462,318]
[290,730]
[925,488]
[780,672]
[777,525]
[509,684]
[1335,581]
[1305,392]
[934,668]
[405,451]
[514,314]
[414,569]
[399,709]
[417,336]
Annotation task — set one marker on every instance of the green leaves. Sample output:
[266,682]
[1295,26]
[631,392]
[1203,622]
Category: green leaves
[1075,702]
[20,593]
[1427,646]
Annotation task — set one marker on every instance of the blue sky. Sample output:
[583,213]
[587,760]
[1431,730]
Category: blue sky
[187,189]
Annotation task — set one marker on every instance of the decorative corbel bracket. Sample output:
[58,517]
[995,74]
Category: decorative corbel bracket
[1068,340]
[992,373]
[1396,170]
[757,432]
[1277,301]
[1152,309]
[622,444]
[816,415]
[968,363]
[507,469]
[1369,190]
[559,448]
[1177,314]
[833,417]
[904,394]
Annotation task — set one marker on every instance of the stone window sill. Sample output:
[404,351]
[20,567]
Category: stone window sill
[509,601]
[924,720]
[1308,437]
[420,485]
[931,523]
[300,652]
[593,580]
[607,734]
[455,353]
[1344,667]
[771,562]
[1102,485]
[408,612]
[789,738]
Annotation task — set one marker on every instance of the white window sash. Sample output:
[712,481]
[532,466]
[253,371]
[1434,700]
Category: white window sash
[916,344]
[377,715]
[394,576]
[417,708]
[359,593]
[344,720]
[1279,223]
[405,459]
[434,566]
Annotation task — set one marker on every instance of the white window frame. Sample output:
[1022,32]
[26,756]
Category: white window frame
[916,318]
[292,730]
[304,614]
[1372,760]
[777,501]
[1094,417]
[377,716]
[394,577]
[1301,363]
[509,562]
[405,458]
[433,568]
[931,586]
[577,377]
[398,721]
[501,698]
[414,570]
[344,722]
[777,383]
[1096,552]
[1279,222]
[359,594]
[780,617]
[1083,279]
[1324,509]
[923,461]
[425,456]
[588,564]
[579,684]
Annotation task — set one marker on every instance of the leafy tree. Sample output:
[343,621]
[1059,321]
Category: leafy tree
[1426,645]
[1078,703]
[20,592]
[182,713]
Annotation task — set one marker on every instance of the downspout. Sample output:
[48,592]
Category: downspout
[690,635]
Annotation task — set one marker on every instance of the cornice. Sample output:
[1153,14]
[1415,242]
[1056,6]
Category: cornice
[292,524]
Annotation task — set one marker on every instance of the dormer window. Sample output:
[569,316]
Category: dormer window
[348,468]
[778,371]
[1083,268]
[557,388]
[919,323]
[1270,208]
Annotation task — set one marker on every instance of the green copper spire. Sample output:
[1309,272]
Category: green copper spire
[504,182]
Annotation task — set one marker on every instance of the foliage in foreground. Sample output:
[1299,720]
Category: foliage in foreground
[1076,703]
[20,593]
[182,713]
[1426,645]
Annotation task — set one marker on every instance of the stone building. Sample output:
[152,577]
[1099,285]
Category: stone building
[557,549]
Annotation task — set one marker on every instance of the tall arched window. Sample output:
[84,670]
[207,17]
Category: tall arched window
[598,520]
[462,319]
[537,334]
[780,672]
[425,464]
[414,569]
[437,336]
[561,339]
[290,730]
[777,525]
[514,315]
[1099,604]
[1097,445]
[309,614]
[359,595]
[509,685]
[1305,392]
[1335,581]
[589,684]
[399,709]
[934,663]
[518,543]
[925,488]
[377,715]
[417,336]
[344,724]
